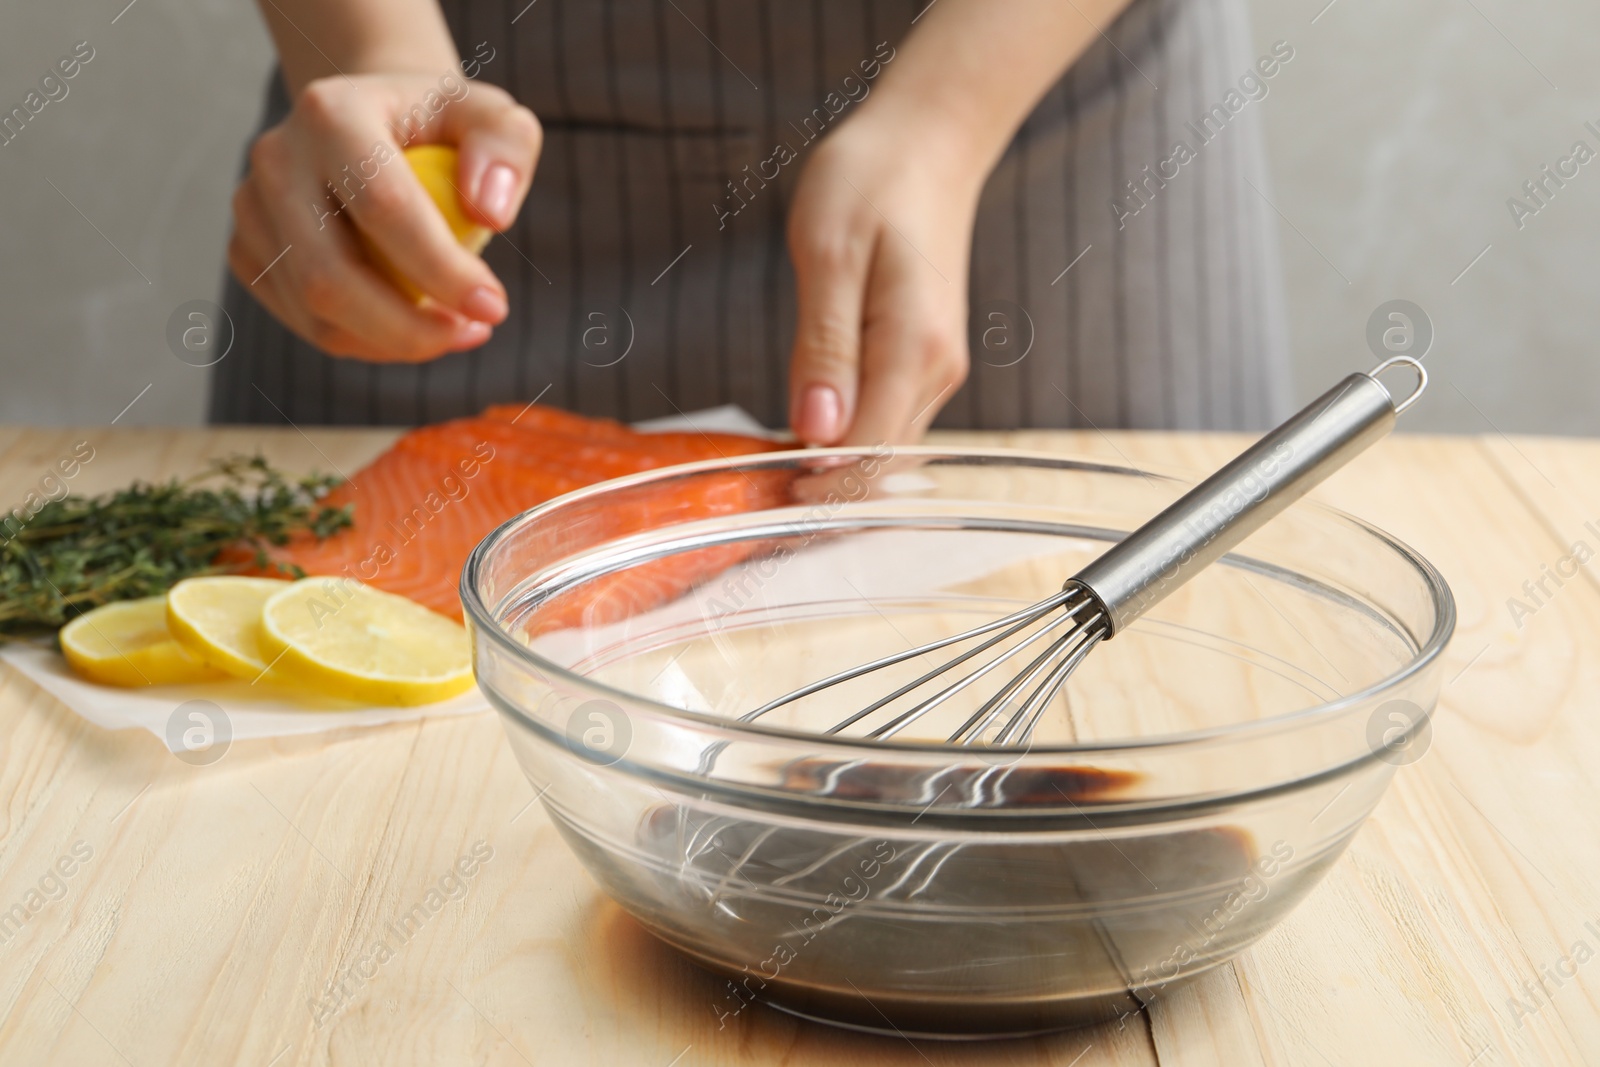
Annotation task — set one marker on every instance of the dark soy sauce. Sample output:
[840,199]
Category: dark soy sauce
[1002,935]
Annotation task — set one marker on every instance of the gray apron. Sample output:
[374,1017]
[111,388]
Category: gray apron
[1101,293]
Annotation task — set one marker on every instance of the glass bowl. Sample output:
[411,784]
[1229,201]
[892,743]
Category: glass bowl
[1198,775]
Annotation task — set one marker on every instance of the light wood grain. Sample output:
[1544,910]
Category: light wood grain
[219,902]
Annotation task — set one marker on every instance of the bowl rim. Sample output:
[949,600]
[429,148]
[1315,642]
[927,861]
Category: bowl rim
[484,622]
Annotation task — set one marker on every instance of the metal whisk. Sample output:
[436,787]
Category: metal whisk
[1129,578]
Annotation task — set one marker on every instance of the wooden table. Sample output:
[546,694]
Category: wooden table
[208,908]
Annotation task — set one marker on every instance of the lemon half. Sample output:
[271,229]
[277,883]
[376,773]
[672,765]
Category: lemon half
[352,641]
[127,643]
[435,166]
[218,620]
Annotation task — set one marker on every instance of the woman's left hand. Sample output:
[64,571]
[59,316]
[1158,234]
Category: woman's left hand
[880,234]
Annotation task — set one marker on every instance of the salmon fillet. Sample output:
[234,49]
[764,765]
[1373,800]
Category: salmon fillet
[421,507]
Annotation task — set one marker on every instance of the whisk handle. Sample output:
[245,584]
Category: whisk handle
[1213,517]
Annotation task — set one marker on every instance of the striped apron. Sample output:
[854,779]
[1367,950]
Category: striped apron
[1112,283]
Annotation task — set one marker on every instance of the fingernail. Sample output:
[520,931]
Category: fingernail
[495,192]
[470,335]
[821,414]
[485,305]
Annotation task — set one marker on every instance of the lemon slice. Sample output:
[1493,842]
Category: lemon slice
[352,641]
[435,166]
[127,643]
[218,620]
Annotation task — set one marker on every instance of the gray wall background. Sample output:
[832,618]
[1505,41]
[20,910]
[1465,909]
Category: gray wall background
[1396,136]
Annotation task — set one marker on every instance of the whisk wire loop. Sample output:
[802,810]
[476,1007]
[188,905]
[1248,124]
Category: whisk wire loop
[1031,613]
[916,712]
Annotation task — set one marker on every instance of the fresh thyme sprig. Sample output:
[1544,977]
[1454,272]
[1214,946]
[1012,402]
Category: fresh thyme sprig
[79,552]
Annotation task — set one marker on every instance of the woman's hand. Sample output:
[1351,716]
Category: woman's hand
[881,228]
[880,233]
[335,164]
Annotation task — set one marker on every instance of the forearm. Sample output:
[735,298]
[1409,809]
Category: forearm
[319,38]
[971,70]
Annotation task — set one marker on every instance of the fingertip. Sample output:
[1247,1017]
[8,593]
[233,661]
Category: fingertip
[496,196]
[470,335]
[819,419]
[486,305]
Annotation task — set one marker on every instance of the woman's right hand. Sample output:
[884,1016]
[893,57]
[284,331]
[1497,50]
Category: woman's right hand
[293,245]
